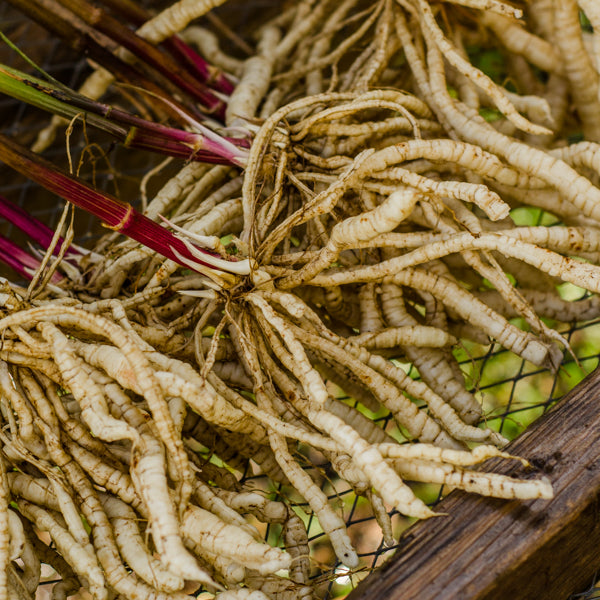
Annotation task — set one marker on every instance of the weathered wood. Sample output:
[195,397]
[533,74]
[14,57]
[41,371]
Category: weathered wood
[489,549]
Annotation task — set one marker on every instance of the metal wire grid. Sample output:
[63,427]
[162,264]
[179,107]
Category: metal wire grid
[512,391]
[590,593]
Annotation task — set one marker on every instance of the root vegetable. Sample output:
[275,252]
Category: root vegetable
[132,547]
[215,536]
[82,562]
[375,223]
[5,530]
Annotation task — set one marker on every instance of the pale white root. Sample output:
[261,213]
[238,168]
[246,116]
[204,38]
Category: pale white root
[480,79]
[93,404]
[224,570]
[279,587]
[110,478]
[70,513]
[486,484]
[335,347]
[172,192]
[242,594]
[5,531]
[592,12]
[148,474]
[216,536]
[209,500]
[331,522]
[80,560]
[518,40]
[295,538]
[137,361]
[502,8]
[435,367]
[254,81]
[382,516]
[16,535]
[133,549]
[34,489]
[466,305]
[300,366]
[267,511]
[579,68]
[418,424]
[432,453]
[455,427]
[175,18]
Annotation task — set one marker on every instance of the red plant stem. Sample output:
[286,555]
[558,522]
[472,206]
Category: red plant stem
[114,213]
[21,261]
[143,50]
[139,139]
[144,134]
[206,72]
[211,75]
[80,37]
[36,230]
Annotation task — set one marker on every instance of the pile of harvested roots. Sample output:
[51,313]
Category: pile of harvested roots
[363,215]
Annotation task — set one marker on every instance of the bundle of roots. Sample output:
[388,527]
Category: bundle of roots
[371,221]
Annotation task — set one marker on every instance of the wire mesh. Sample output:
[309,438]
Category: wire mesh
[512,391]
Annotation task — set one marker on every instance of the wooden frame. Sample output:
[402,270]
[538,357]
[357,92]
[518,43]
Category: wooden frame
[489,549]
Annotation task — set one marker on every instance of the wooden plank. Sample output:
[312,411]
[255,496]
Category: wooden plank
[490,549]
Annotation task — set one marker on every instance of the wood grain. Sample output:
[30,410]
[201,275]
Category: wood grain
[489,549]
